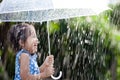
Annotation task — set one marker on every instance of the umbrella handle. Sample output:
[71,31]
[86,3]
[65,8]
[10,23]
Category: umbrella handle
[55,78]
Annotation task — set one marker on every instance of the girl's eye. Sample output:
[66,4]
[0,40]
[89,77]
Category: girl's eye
[34,36]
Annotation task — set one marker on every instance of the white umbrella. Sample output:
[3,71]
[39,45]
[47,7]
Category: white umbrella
[46,10]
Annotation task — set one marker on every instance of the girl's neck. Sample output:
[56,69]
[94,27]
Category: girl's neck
[28,51]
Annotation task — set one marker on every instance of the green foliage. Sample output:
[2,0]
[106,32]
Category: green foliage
[118,67]
[115,15]
[10,63]
[53,27]
[1,69]
[0,54]
[80,50]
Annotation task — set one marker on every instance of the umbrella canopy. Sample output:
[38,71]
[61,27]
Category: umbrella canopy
[46,10]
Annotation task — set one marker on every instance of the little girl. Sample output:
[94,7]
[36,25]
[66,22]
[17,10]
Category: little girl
[24,41]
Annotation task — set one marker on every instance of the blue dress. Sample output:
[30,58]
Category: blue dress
[33,66]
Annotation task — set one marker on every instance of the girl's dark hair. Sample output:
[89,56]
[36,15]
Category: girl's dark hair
[18,32]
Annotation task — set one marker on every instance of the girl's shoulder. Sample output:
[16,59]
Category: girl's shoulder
[22,51]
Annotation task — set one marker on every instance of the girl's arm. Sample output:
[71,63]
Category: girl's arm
[25,72]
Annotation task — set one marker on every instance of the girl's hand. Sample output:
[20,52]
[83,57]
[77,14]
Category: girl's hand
[49,61]
[48,71]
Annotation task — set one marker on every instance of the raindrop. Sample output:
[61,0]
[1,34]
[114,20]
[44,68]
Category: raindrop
[58,40]
[81,42]
[83,31]
[75,61]
[94,56]
[86,41]
[78,34]
[68,33]
[2,47]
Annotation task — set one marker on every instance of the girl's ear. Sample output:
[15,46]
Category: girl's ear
[21,43]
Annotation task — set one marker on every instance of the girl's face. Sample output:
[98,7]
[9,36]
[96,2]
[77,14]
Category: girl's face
[32,41]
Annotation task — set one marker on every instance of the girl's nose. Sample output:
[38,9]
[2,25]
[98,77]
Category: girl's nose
[37,41]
